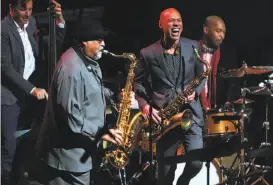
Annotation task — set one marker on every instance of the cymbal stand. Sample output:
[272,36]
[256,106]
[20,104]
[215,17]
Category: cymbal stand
[151,164]
[243,139]
[257,168]
[266,122]
[265,144]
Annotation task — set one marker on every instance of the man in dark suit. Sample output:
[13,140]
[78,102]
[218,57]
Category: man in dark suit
[218,91]
[166,68]
[19,49]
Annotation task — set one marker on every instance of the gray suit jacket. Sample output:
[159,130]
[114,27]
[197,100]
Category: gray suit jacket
[152,80]
[74,115]
[13,85]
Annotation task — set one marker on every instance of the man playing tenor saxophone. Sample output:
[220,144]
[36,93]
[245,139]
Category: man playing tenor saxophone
[166,68]
[75,112]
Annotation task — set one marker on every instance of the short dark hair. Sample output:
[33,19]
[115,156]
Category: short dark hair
[18,3]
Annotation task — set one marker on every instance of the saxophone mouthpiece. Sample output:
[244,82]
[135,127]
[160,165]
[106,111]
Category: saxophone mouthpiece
[105,52]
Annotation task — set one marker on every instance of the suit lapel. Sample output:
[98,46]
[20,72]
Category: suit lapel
[15,32]
[158,52]
[185,57]
[32,41]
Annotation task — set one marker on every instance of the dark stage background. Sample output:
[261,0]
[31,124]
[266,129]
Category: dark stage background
[249,24]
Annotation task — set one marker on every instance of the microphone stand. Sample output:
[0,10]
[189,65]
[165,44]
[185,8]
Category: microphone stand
[52,57]
[150,163]
[151,170]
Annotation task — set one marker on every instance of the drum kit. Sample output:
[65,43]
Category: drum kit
[226,148]
[228,158]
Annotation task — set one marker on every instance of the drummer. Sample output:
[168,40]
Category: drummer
[218,91]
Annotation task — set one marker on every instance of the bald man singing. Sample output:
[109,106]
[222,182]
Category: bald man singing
[166,68]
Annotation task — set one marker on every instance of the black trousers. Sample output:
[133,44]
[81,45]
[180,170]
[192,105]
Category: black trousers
[167,147]
[58,177]
[9,121]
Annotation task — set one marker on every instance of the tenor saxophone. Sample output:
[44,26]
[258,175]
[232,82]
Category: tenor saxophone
[171,115]
[119,156]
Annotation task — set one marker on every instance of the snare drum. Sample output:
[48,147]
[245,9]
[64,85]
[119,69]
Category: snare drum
[220,122]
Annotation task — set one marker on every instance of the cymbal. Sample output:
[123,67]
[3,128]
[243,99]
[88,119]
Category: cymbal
[254,70]
[233,73]
[264,91]
[240,101]
[259,69]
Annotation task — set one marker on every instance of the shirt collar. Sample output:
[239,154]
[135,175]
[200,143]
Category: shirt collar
[177,49]
[90,60]
[206,49]
[18,27]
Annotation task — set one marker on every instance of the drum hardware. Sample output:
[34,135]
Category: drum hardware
[242,154]
[240,101]
[263,91]
[261,152]
[262,167]
[267,91]
[245,70]
[258,169]
[238,180]
[137,175]
[243,173]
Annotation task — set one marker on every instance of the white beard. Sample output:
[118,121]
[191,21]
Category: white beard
[97,55]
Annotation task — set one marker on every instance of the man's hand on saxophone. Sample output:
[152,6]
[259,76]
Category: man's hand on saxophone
[191,97]
[114,136]
[155,113]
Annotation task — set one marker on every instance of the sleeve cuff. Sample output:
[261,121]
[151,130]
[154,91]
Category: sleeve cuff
[60,25]
[141,102]
[32,90]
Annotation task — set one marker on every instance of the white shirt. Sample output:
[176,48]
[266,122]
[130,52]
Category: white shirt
[207,57]
[29,57]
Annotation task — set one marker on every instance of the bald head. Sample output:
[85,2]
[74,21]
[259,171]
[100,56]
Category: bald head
[167,12]
[214,31]
[213,19]
[171,24]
